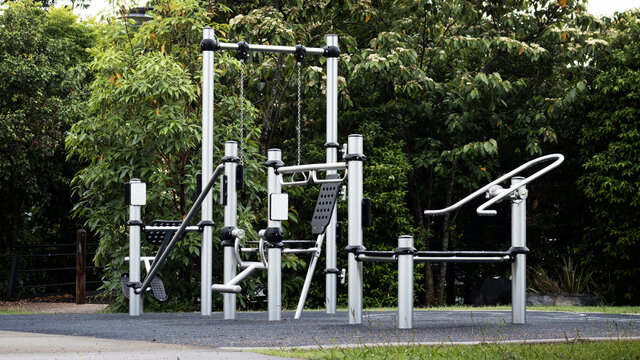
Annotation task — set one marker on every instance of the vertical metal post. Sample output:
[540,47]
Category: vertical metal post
[355,189]
[206,251]
[138,199]
[405,283]
[274,254]
[81,266]
[332,157]
[230,219]
[519,266]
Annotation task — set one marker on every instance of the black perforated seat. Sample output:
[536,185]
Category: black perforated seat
[157,237]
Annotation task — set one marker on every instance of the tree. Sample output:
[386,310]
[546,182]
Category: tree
[144,121]
[478,87]
[44,82]
[610,144]
[272,88]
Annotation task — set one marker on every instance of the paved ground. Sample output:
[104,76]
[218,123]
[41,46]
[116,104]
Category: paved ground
[253,330]
[22,346]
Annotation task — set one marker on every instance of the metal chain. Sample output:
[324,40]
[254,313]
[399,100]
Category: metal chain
[299,116]
[242,112]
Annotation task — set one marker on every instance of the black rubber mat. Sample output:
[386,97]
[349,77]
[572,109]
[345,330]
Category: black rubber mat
[252,329]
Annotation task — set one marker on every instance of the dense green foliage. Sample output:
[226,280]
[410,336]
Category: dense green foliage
[144,122]
[44,83]
[610,148]
[448,95]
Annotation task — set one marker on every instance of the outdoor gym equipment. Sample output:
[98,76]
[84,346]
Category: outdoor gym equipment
[405,255]
[272,239]
[170,234]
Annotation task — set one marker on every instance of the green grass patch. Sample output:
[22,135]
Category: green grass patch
[577,309]
[13,312]
[617,349]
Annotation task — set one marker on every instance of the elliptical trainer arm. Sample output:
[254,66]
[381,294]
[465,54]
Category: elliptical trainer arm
[157,263]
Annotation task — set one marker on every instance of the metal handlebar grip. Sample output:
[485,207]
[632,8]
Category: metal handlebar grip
[497,196]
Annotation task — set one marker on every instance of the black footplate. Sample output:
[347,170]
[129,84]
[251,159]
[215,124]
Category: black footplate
[124,282]
[157,287]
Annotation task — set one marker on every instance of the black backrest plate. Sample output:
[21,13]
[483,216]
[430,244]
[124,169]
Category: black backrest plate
[324,206]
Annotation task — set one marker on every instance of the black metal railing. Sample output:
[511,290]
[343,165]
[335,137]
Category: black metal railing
[54,269]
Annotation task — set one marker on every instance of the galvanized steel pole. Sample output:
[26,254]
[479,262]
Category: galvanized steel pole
[230,220]
[355,190]
[206,251]
[519,266]
[332,157]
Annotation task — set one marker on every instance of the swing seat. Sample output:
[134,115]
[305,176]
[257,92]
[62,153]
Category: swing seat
[157,287]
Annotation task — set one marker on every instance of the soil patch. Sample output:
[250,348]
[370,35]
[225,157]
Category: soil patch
[59,304]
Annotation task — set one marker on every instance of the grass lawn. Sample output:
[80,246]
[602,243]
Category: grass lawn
[576,309]
[614,349]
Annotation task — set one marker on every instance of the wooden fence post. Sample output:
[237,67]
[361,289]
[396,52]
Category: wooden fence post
[13,278]
[81,266]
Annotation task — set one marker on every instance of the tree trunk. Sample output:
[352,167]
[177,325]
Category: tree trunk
[273,96]
[446,226]
[429,293]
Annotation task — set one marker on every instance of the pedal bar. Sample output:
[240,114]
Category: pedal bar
[167,250]
[232,286]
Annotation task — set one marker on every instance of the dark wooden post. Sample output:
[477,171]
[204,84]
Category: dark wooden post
[13,279]
[81,266]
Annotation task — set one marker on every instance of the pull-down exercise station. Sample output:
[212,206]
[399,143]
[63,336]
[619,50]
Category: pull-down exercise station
[324,224]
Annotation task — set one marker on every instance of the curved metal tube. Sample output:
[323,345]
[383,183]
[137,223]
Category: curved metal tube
[306,179]
[323,181]
[309,173]
[308,167]
[559,158]
[312,177]
[236,247]
[167,250]
[260,251]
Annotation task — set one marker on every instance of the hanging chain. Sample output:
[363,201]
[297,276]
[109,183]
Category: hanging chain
[242,112]
[299,115]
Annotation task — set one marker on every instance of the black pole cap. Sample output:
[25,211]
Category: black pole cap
[300,52]
[243,50]
[209,45]
[331,51]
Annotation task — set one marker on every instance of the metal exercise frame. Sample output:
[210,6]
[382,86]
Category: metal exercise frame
[209,46]
[276,181]
[405,255]
[137,199]
[272,238]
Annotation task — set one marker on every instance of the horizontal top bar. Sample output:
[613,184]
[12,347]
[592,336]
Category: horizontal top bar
[170,228]
[309,167]
[272,48]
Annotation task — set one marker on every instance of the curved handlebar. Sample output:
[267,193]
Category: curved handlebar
[238,251]
[481,210]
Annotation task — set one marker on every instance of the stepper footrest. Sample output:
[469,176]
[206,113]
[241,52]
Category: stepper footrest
[124,281]
[157,289]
